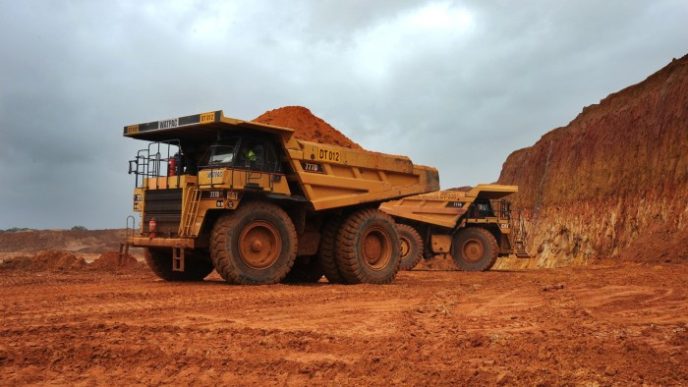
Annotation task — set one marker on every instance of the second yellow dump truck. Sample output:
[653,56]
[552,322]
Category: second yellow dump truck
[259,206]
[474,226]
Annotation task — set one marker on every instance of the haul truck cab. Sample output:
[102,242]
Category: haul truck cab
[260,206]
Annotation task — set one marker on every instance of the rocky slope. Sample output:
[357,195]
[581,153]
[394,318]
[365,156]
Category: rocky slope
[614,182]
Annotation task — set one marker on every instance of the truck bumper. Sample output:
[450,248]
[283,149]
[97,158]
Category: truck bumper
[142,241]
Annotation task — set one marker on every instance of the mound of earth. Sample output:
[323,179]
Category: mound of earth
[614,182]
[50,260]
[438,262]
[307,126]
[110,261]
[82,241]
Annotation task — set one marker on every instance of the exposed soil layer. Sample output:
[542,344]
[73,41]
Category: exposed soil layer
[51,260]
[307,126]
[64,261]
[600,325]
[83,241]
[614,182]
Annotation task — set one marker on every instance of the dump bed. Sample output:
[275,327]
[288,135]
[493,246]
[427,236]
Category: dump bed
[329,176]
[444,208]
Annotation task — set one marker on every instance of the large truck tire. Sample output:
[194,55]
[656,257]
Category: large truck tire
[411,249]
[306,271]
[327,251]
[474,249]
[368,248]
[196,265]
[254,245]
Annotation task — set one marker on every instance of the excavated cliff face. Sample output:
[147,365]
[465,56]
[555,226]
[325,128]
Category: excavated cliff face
[614,182]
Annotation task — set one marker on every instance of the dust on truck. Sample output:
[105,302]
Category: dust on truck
[473,226]
[260,206]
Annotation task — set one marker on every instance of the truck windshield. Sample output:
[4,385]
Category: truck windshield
[222,154]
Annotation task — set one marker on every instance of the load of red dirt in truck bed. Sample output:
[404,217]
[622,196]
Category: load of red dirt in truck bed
[307,126]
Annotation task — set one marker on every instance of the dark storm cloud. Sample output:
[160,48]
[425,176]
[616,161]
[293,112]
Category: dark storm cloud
[455,84]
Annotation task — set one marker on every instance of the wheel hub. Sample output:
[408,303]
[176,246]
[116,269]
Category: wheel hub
[377,249]
[256,246]
[405,247]
[260,244]
[473,250]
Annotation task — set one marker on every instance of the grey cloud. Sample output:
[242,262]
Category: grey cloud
[73,73]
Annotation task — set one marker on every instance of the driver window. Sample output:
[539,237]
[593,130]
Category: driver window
[258,155]
[252,154]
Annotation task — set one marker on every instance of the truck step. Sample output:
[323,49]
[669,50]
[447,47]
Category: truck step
[177,259]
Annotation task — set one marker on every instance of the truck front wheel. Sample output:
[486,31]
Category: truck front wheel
[368,248]
[474,249]
[196,265]
[254,245]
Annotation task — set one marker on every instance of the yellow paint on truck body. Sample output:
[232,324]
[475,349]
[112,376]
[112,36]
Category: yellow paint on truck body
[450,210]
[445,208]
[330,177]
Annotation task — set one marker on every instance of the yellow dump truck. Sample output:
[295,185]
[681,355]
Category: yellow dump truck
[474,226]
[260,206]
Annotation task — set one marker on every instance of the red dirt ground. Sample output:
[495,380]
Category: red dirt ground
[308,126]
[597,325]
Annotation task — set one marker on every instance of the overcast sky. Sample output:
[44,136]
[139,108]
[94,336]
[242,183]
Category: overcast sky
[454,84]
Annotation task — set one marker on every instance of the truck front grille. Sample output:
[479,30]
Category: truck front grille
[166,207]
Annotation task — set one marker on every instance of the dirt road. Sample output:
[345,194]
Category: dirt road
[596,325]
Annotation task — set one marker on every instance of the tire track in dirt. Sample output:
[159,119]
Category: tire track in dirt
[599,325]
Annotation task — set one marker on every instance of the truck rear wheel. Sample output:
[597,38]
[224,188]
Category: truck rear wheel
[411,249]
[368,248]
[254,245]
[474,249]
[327,251]
[307,271]
[196,265]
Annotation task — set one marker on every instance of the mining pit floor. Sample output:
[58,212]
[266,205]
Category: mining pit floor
[614,324]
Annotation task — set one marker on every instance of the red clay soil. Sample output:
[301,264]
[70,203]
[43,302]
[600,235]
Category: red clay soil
[596,326]
[613,180]
[65,261]
[308,126]
[438,262]
[109,261]
[50,260]
[82,241]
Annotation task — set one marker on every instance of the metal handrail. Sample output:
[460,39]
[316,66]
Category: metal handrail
[147,163]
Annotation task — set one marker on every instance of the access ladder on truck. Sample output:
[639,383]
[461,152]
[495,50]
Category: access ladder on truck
[189,211]
[124,246]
